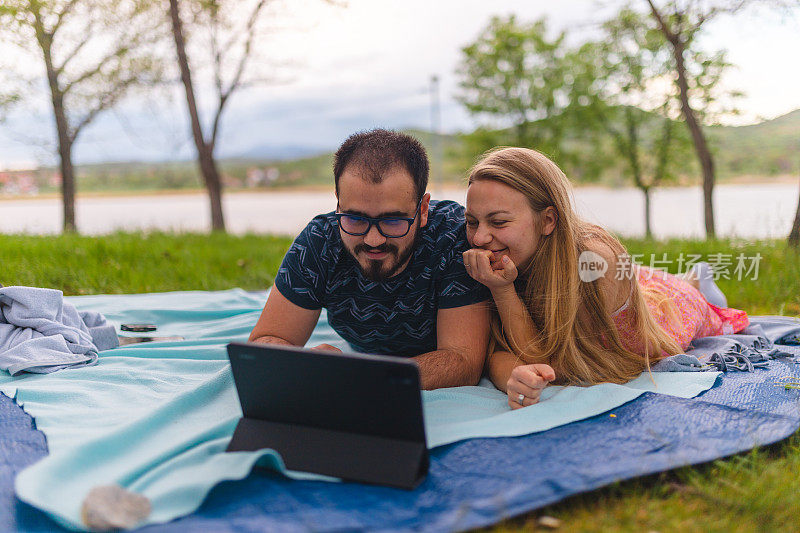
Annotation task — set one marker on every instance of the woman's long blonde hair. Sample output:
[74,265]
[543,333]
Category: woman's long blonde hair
[582,348]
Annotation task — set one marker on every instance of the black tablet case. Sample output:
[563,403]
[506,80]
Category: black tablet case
[355,417]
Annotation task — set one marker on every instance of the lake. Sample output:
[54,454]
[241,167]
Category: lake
[748,211]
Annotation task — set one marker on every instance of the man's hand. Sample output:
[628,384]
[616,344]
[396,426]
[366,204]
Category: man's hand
[526,384]
[326,348]
[485,268]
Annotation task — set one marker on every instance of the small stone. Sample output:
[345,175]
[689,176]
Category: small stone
[548,522]
[111,507]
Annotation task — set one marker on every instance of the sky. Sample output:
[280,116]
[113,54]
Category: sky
[369,63]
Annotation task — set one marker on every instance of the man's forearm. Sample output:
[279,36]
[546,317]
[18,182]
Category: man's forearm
[270,339]
[446,368]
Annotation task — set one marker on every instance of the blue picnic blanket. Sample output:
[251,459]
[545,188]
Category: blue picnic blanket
[352,505]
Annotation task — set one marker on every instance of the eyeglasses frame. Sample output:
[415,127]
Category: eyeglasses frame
[375,222]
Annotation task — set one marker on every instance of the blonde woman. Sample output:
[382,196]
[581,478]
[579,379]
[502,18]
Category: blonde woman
[559,316]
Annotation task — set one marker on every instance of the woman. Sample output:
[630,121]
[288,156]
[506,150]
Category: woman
[560,315]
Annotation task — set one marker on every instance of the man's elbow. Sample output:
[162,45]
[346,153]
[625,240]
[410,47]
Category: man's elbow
[473,368]
[256,335]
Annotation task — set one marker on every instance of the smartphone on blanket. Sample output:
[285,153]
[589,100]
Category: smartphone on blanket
[142,328]
[124,341]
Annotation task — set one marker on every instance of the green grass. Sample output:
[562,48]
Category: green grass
[775,291]
[132,263]
[757,491]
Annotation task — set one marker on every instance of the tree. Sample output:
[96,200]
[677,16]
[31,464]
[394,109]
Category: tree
[94,52]
[794,234]
[680,21]
[231,49]
[616,90]
[514,74]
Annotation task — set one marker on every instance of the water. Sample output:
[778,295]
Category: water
[749,211]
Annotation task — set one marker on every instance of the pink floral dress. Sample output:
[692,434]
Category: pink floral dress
[698,318]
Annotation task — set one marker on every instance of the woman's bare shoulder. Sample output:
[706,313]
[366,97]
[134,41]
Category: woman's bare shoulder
[614,276]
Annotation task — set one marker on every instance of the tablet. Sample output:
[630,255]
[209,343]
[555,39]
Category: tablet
[352,416]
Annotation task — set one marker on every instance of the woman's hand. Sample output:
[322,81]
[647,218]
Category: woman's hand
[526,384]
[483,267]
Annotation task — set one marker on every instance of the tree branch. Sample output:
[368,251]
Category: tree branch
[96,70]
[216,53]
[61,16]
[111,96]
[661,22]
[77,48]
[224,95]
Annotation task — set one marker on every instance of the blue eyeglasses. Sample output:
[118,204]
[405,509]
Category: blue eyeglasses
[389,227]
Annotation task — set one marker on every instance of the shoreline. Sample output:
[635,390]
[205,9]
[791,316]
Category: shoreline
[782,179]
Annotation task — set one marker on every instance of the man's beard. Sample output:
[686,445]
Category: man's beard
[375,270]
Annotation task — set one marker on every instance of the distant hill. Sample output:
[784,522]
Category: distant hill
[769,148]
[766,149]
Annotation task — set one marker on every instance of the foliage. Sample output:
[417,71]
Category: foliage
[96,51]
[616,80]
[768,148]
[680,22]
[622,87]
[516,76]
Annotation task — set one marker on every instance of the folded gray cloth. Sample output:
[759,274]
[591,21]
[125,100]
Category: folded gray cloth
[41,333]
[747,350]
[679,363]
[778,329]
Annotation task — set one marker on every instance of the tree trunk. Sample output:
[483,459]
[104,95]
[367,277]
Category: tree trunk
[67,186]
[794,235]
[699,139]
[65,160]
[64,151]
[647,228]
[63,135]
[205,151]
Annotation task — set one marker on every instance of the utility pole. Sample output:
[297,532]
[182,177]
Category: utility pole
[436,137]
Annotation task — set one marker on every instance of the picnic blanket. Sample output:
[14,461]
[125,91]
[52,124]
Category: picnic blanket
[451,487]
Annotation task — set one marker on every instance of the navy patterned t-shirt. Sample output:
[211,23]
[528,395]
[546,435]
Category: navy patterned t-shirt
[396,316]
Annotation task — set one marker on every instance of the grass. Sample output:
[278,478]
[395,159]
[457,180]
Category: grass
[776,289]
[756,491]
[134,262]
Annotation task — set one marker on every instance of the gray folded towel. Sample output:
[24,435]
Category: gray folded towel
[41,333]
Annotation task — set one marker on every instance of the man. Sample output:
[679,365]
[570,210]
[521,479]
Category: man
[387,266]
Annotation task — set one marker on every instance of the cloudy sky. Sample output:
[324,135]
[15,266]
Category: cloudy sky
[369,64]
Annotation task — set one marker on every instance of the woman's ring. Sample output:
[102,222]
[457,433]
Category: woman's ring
[520,398]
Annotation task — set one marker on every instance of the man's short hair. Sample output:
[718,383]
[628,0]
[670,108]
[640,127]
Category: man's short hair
[377,151]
